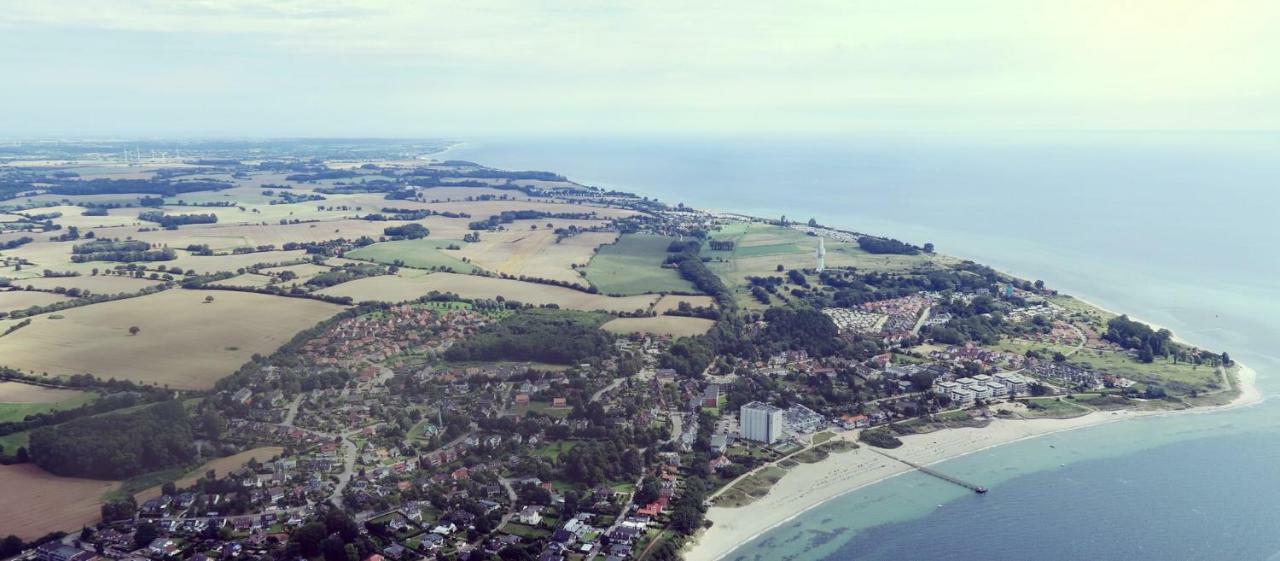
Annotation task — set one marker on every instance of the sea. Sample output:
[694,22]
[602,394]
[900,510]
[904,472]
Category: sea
[1179,229]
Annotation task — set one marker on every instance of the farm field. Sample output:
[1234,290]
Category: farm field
[17,400]
[633,265]
[14,300]
[97,284]
[399,288]
[215,263]
[184,342]
[520,251]
[421,254]
[675,326]
[36,501]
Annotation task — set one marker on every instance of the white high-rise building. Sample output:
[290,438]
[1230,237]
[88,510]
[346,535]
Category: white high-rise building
[761,422]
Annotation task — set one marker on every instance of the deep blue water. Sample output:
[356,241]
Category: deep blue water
[1178,229]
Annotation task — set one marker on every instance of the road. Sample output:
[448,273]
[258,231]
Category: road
[293,412]
[349,453]
[511,512]
[614,384]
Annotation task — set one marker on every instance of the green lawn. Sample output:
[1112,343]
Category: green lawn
[552,451]
[419,431]
[12,442]
[529,532]
[633,265]
[419,254]
[10,412]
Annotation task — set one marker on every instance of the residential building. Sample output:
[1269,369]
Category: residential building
[761,422]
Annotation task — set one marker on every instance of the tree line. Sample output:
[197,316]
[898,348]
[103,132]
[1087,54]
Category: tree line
[540,335]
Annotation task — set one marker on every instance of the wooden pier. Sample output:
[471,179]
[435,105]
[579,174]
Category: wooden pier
[927,471]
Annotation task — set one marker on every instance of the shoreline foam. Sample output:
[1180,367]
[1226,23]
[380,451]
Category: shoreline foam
[808,486]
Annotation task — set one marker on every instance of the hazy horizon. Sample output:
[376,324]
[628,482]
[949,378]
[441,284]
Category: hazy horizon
[311,69]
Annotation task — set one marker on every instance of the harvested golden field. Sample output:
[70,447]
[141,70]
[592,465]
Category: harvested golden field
[303,270]
[675,326]
[398,288]
[100,284]
[672,301]
[74,216]
[220,466]
[22,299]
[18,392]
[520,251]
[37,502]
[248,280]
[183,342]
[231,263]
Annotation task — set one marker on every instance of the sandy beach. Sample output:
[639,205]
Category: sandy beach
[809,485]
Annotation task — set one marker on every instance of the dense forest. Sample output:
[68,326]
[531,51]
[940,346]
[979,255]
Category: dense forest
[175,220]
[406,232]
[886,246]
[1140,337]
[126,251]
[116,445]
[148,186]
[541,335]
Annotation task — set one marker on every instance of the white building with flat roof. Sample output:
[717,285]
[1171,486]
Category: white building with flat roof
[761,422]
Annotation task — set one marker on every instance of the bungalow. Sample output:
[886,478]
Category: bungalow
[718,463]
[162,546]
[394,551]
[624,534]
[530,516]
[432,542]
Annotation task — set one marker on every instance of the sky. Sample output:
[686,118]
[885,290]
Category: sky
[422,68]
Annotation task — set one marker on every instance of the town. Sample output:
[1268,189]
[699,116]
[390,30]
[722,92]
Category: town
[580,376]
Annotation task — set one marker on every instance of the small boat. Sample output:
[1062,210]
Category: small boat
[980,490]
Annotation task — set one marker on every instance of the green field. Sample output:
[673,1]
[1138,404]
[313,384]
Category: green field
[530,532]
[1179,377]
[760,248]
[633,265]
[418,254]
[10,412]
[12,442]
[553,450]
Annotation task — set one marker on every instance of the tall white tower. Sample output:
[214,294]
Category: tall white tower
[821,254]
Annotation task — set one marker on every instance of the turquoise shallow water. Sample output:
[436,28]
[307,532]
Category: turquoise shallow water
[1176,229]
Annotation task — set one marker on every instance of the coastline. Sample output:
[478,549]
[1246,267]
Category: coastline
[807,486]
